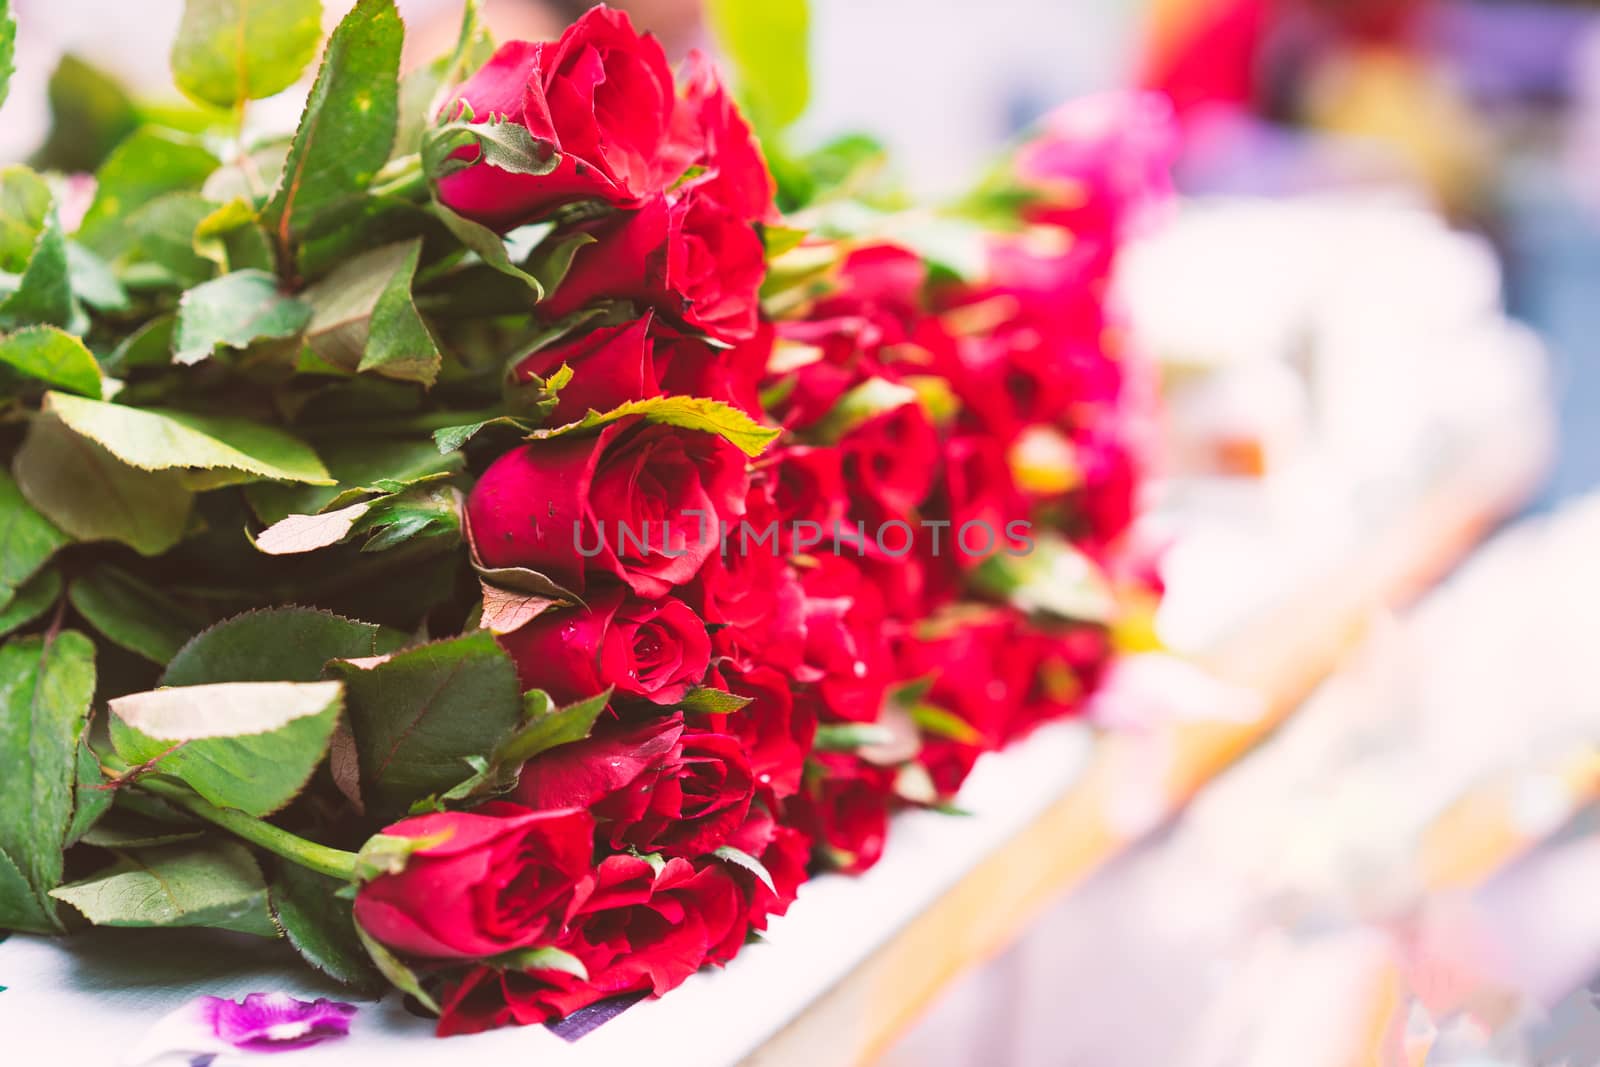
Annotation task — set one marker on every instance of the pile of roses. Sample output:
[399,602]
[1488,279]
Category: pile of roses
[771,526]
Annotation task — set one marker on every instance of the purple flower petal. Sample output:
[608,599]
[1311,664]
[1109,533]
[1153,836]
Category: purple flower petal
[272,1022]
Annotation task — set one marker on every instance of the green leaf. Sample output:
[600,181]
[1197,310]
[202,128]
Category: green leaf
[27,538]
[767,45]
[399,344]
[848,736]
[418,714]
[1055,579]
[363,317]
[864,402]
[399,975]
[549,729]
[19,905]
[31,601]
[131,614]
[703,700]
[8,48]
[154,247]
[489,246]
[232,238]
[500,142]
[50,355]
[425,511]
[89,115]
[250,746]
[348,125]
[450,438]
[689,412]
[152,439]
[235,310]
[322,927]
[143,168]
[740,858]
[215,884]
[547,958]
[230,51]
[148,511]
[45,689]
[91,798]
[934,720]
[32,245]
[278,644]
[356,463]
[93,280]
[148,346]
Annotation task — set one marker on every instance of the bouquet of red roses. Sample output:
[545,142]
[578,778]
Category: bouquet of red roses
[484,541]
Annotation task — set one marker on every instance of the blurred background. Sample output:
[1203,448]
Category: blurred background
[1377,298]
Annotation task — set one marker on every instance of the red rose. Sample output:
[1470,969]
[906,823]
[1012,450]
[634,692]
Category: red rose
[684,254]
[496,880]
[890,462]
[856,333]
[710,133]
[639,931]
[690,367]
[1063,666]
[846,809]
[637,500]
[750,592]
[983,500]
[602,96]
[656,650]
[808,487]
[847,652]
[656,787]
[611,365]
[773,730]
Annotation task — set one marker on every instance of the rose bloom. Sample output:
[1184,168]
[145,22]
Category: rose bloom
[890,463]
[651,650]
[614,503]
[749,592]
[638,932]
[847,651]
[711,134]
[683,253]
[845,809]
[775,730]
[489,881]
[655,786]
[602,96]
[861,330]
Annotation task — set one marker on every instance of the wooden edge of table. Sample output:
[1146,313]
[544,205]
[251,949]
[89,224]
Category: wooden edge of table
[1282,657]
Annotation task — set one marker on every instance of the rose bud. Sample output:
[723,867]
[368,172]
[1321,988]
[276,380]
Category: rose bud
[847,653]
[710,133]
[890,462]
[983,499]
[773,729]
[602,96]
[486,882]
[686,255]
[846,809]
[750,592]
[639,932]
[639,501]
[656,787]
[654,650]
[611,365]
